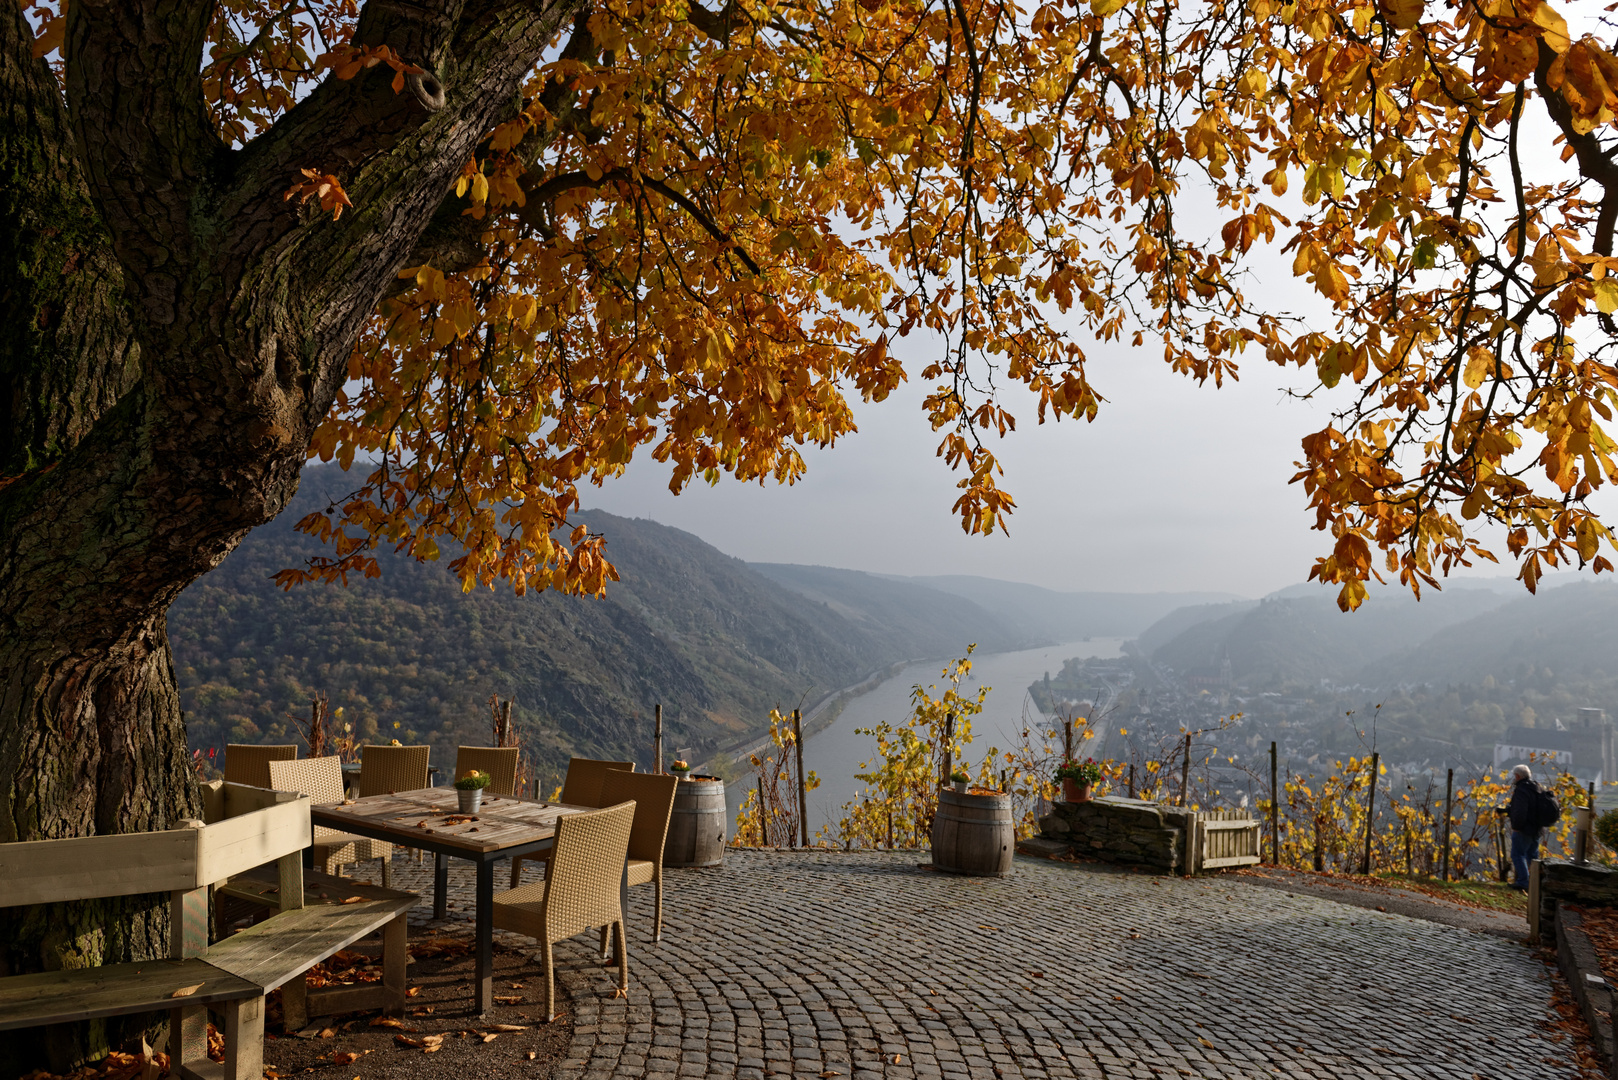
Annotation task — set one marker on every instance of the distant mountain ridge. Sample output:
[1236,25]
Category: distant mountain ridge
[1459,635]
[934,623]
[1050,615]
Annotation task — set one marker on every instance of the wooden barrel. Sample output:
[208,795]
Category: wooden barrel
[973,834]
[697,829]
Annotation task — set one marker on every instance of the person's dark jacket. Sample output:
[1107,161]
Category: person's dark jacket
[1524,799]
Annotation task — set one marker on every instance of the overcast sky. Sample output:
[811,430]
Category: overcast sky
[1173,487]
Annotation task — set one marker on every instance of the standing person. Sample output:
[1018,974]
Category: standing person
[1523,811]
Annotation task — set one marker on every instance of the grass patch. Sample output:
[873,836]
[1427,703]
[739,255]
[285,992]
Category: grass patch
[1485,894]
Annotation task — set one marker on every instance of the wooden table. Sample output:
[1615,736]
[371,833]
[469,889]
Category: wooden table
[430,820]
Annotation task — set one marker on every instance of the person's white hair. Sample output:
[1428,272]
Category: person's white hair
[1522,772]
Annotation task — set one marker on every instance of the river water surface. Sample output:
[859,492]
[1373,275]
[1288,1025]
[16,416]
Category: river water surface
[838,752]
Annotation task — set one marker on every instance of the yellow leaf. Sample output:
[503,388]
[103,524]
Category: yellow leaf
[1103,8]
[1400,14]
[1607,296]
[1478,365]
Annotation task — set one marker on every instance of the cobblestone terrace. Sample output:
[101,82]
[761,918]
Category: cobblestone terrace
[821,964]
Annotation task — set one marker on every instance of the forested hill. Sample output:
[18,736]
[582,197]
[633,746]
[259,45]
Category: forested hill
[410,656]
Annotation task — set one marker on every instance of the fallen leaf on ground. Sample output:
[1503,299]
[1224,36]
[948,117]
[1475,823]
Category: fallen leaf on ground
[386,1021]
[532,1055]
[490,1038]
[413,991]
[355,900]
[186,991]
[1205,1042]
[507,999]
[518,986]
[348,1057]
[506,1027]
[326,1033]
[422,1010]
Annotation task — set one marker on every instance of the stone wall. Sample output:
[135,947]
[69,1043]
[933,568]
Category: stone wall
[1589,884]
[1116,829]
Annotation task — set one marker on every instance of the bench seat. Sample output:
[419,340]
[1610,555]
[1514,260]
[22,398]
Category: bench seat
[336,913]
[54,997]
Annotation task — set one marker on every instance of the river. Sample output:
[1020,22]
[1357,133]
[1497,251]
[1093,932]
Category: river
[837,753]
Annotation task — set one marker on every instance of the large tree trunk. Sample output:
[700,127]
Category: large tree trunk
[173,332]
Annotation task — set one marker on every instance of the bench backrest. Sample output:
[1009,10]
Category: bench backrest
[246,827]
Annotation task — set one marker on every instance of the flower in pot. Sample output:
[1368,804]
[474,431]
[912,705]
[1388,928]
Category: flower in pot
[680,768]
[1079,779]
[469,789]
[961,780]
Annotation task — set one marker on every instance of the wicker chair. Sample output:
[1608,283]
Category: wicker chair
[582,787]
[500,762]
[388,769]
[579,893]
[321,779]
[653,797]
[247,763]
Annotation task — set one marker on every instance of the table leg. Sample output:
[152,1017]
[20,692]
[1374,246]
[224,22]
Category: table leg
[440,886]
[484,972]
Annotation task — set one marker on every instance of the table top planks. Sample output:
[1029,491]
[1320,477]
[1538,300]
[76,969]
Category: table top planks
[503,820]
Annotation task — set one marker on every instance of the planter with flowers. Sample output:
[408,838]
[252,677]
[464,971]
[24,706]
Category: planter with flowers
[469,789]
[681,769]
[1079,779]
[961,779]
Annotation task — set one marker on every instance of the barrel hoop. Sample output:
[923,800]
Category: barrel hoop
[941,816]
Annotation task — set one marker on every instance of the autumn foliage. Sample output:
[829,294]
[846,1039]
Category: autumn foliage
[697,233]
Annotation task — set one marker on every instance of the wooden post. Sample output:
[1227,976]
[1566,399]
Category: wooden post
[949,749]
[1131,779]
[657,740]
[763,817]
[1003,780]
[1185,773]
[1067,740]
[1370,813]
[1533,902]
[1449,792]
[890,830]
[803,792]
[1275,814]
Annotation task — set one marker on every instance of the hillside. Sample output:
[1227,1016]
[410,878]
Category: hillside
[933,622]
[410,656]
[1287,642]
[1570,631]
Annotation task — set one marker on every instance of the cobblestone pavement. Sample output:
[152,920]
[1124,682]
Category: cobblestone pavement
[820,964]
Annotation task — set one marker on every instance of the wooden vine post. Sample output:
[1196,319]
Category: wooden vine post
[1185,773]
[1449,793]
[1370,813]
[657,740]
[1275,816]
[763,817]
[803,792]
[949,749]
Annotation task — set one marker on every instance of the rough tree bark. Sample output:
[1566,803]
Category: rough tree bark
[174,331]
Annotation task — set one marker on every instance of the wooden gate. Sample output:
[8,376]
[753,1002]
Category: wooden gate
[1223,838]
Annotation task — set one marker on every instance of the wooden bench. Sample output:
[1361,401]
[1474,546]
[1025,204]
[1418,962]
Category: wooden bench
[247,828]
[271,951]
